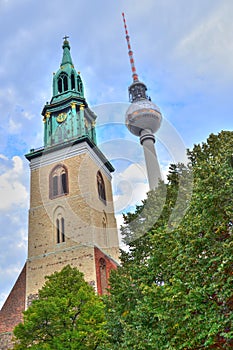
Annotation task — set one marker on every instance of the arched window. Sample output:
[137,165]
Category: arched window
[103,276]
[104,229]
[72,81]
[58,182]
[62,83]
[58,230]
[79,84]
[60,227]
[101,187]
[104,223]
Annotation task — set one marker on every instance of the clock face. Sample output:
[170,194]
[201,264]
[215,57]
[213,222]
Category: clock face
[61,117]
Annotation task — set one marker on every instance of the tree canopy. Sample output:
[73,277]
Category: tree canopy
[67,315]
[174,288]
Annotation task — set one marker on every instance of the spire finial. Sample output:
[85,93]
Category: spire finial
[130,52]
[66,53]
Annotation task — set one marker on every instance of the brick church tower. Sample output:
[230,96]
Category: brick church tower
[71,216]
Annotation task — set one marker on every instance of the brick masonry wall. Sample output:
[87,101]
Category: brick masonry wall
[6,341]
[11,312]
[110,265]
[81,257]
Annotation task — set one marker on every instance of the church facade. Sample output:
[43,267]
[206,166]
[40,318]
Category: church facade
[71,215]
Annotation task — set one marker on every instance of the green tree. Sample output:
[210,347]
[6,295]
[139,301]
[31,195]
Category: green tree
[67,315]
[174,289]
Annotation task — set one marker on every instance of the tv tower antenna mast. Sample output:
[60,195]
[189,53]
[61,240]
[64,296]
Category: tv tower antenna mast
[130,52]
[143,119]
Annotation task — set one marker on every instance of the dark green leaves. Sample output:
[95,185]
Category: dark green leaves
[174,289]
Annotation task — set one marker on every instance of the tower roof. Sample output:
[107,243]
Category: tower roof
[67,117]
[67,82]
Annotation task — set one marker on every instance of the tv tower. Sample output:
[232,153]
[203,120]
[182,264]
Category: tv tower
[143,119]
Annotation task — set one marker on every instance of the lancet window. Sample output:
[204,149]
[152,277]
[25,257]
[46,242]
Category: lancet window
[101,187]
[60,230]
[59,225]
[103,276]
[104,223]
[62,82]
[79,84]
[104,229]
[72,81]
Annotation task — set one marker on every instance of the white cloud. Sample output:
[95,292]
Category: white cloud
[27,115]
[3,157]
[23,238]
[3,297]
[13,247]
[12,190]
[9,273]
[208,46]
[14,127]
[130,187]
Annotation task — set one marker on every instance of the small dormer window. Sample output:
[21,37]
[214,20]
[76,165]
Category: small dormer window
[62,83]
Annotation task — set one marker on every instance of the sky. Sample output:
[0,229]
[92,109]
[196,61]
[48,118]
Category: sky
[183,52]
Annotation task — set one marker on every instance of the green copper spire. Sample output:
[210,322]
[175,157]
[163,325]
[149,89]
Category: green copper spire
[67,81]
[67,116]
[66,59]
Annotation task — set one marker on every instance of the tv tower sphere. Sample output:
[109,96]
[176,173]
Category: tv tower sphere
[143,115]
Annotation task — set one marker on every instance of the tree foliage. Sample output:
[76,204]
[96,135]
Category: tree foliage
[174,289]
[66,315]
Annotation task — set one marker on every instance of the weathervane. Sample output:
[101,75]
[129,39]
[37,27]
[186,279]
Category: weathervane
[65,37]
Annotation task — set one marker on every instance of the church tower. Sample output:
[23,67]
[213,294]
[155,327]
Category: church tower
[71,216]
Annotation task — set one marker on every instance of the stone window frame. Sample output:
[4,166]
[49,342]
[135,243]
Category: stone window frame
[58,181]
